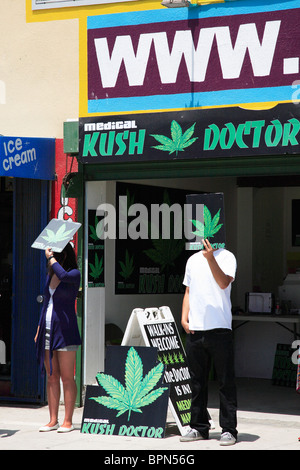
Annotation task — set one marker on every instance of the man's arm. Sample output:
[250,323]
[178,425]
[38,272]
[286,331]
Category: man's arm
[222,279]
[185,311]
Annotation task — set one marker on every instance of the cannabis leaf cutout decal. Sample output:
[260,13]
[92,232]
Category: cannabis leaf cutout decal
[138,392]
[61,235]
[211,225]
[179,140]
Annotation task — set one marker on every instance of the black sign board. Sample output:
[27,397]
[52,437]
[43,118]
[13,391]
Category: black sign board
[130,398]
[212,225]
[284,369]
[170,351]
[156,328]
[193,134]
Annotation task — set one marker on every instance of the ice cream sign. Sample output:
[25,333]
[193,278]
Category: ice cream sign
[27,157]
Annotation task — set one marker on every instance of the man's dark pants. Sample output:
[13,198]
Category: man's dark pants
[203,347]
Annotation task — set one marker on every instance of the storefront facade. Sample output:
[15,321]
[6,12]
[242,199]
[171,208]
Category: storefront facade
[174,101]
[258,194]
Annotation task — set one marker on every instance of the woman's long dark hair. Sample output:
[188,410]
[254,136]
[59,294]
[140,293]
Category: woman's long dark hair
[67,259]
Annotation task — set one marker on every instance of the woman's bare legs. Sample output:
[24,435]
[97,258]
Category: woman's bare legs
[66,360]
[53,388]
[63,367]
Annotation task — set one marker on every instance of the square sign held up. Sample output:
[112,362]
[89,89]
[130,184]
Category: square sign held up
[56,235]
[211,223]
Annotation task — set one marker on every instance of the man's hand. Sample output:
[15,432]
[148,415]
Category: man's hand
[222,279]
[208,251]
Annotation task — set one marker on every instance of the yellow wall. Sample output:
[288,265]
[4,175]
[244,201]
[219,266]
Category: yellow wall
[43,78]
[81,14]
[42,65]
[39,73]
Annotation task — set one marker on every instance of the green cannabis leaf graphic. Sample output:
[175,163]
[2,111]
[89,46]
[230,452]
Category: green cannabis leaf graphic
[127,267]
[171,359]
[178,142]
[97,268]
[165,252]
[59,236]
[210,226]
[96,230]
[138,391]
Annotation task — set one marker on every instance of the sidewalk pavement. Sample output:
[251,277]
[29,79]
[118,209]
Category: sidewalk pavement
[267,420]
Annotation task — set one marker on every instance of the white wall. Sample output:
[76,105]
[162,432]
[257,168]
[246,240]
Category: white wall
[255,347]
[94,318]
[244,228]
[264,221]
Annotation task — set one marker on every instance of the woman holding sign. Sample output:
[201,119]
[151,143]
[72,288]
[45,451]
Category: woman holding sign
[58,338]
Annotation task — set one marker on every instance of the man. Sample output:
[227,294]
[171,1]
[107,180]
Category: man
[206,318]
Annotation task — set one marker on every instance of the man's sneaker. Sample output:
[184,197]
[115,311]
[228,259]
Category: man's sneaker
[227,439]
[191,435]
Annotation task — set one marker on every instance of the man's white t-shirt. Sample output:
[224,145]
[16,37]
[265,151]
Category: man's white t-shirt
[210,306]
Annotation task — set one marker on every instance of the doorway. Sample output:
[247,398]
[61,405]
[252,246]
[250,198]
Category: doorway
[24,212]
[6,261]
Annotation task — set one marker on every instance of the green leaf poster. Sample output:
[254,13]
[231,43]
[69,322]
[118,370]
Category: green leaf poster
[212,223]
[130,398]
[95,250]
[150,245]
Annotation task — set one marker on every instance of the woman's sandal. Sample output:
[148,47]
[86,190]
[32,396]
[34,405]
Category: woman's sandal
[49,428]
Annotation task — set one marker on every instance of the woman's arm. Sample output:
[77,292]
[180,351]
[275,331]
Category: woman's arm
[72,276]
[37,332]
[50,256]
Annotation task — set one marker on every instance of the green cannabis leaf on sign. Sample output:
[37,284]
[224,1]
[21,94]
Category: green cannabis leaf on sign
[211,225]
[59,236]
[127,267]
[97,268]
[179,140]
[138,392]
[165,252]
[96,230]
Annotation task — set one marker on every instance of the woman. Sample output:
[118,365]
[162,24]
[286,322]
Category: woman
[57,338]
